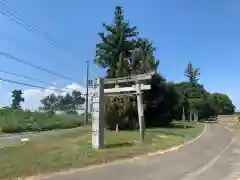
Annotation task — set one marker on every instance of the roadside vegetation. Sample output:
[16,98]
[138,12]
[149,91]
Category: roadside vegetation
[16,121]
[73,149]
[123,52]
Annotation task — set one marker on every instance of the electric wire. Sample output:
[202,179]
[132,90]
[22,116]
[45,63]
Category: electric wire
[35,66]
[31,85]
[16,17]
[26,77]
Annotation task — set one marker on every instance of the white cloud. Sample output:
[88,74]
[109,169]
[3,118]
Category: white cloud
[33,96]
[78,87]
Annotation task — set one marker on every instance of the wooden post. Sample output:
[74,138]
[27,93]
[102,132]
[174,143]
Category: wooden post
[140,112]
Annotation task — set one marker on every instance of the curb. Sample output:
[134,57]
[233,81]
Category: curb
[116,162]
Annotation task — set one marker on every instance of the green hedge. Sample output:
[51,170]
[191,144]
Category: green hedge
[22,121]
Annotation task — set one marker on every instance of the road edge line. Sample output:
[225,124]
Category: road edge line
[176,147]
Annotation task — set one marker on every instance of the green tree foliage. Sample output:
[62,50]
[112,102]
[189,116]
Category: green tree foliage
[50,103]
[70,103]
[123,53]
[17,99]
[222,104]
[192,74]
[162,102]
[118,42]
[142,59]
[194,97]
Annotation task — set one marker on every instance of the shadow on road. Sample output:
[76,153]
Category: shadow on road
[179,126]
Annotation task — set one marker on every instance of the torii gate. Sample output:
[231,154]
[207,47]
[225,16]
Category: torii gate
[98,122]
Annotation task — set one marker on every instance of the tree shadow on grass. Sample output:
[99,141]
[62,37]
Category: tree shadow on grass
[164,133]
[174,126]
[179,126]
[118,145]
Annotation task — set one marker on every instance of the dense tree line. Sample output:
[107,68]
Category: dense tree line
[69,103]
[122,52]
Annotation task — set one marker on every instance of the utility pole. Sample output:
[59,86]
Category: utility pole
[86,100]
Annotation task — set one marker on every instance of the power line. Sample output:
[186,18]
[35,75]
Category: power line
[26,77]
[31,85]
[34,66]
[35,86]
[32,79]
[22,21]
[16,17]
[11,39]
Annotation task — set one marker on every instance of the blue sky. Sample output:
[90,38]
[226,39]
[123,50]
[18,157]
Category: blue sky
[207,33]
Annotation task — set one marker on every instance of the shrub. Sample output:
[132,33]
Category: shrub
[22,121]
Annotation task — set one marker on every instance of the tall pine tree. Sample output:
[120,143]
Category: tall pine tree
[192,74]
[143,59]
[118,42]
[17,99]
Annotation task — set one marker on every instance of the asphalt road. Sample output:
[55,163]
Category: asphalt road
[215,156]
[15,139]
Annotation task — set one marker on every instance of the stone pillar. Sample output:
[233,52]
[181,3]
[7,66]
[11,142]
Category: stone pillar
[196,115]
[183,114]
[190,116]
[98,114]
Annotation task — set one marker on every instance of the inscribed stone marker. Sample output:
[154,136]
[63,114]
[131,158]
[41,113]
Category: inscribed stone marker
[98,114]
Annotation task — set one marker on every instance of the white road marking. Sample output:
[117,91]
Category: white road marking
[192,176]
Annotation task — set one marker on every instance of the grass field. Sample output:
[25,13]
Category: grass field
[73,149]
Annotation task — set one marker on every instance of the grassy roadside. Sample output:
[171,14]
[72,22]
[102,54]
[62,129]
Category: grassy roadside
[232,123]
[235,127]
[73,149]
[21,121]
